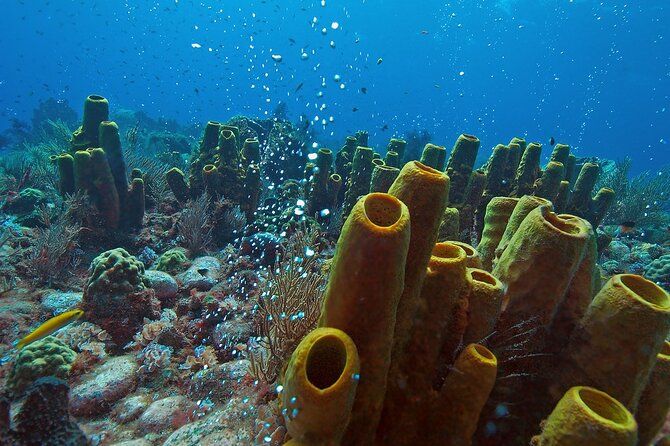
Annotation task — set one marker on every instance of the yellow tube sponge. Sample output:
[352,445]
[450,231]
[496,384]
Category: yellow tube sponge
[453,420]
[525,204]
[498,212]
[655,400]
[366,281]
[319,387]
[588,417]
[473,259]
[538,265]
[484,305]
[614,347]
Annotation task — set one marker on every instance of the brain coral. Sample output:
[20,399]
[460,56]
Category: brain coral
[659,271]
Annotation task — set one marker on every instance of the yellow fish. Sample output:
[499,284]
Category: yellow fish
[50,326]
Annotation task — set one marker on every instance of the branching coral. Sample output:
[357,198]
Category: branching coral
[289,306]
[52,249]
[643,199]
[194,225]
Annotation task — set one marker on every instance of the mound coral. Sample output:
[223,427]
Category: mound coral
[116,295]
[46,357]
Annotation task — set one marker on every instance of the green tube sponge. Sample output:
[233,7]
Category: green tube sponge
[83,172]
[382,178]
[65,164]
[334,187]
[227,149]
[570,168]
[495,172]
[105,194]
[252,185]
[449,226]
[251,151]
[588,417]
[210,176]
[522,208]
[460,164]
[175,179]
[538,265]
[600,204]
[453,421]
[484,305]
[498,213]
[548,184]
[434,156]
[392,159]
[366,281]
[111,144]
[318,198]
[48,356]
[562,197]
[512,164]
[655,401]
[580,200]
[471,200]
[319,387]
[398,146]
[615,345]
[359,180]
[362,138]
[135,204]
[96,110]
[560,154]
[528,171]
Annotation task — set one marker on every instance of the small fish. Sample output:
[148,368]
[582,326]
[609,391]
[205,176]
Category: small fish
[386,127]
[379,61]
[364,90]
[52,325]
[424,32]
[552,141]
[291,40]
[299,87]
[355,109]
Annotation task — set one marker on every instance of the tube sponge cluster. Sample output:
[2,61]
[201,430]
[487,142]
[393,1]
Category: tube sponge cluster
[223,166]
[454,354]
[95,166]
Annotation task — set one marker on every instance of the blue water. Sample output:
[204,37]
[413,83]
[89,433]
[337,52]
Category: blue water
[592,74]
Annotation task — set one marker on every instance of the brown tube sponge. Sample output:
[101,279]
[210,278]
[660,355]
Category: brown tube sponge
[366,281]
[614,347]
[655,400]
[588,417]
[463,395]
